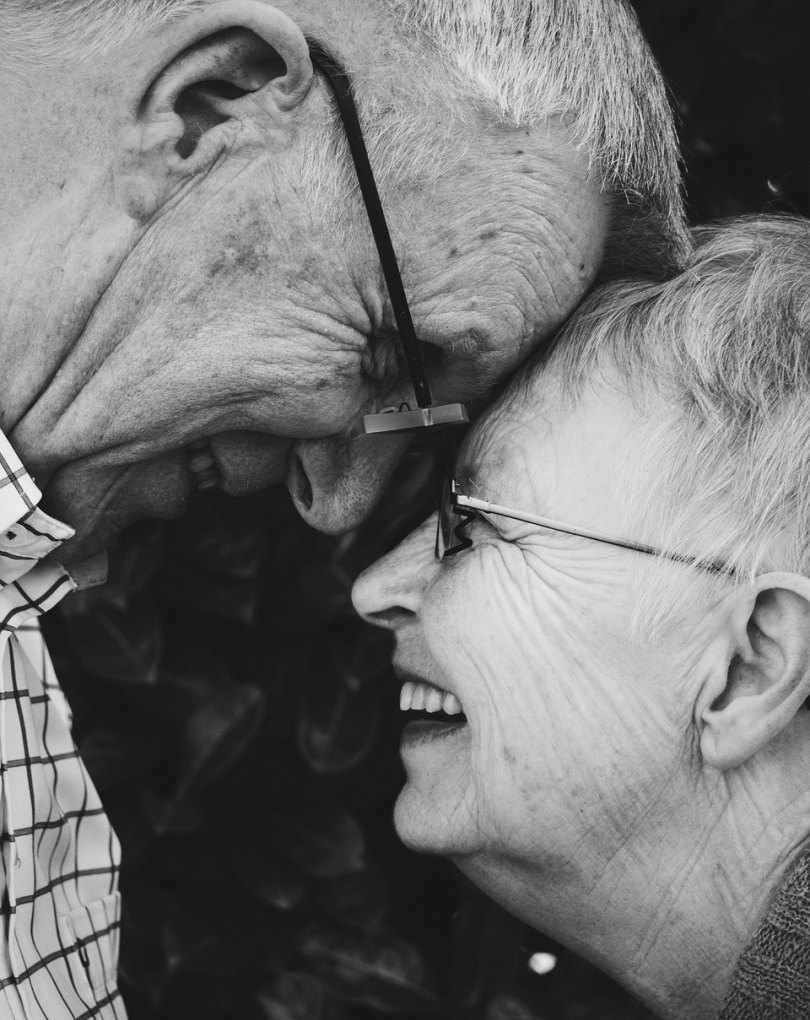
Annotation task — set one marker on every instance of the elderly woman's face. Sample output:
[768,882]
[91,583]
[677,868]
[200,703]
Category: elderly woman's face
[571,727]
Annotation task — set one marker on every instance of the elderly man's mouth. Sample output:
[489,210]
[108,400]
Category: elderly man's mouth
[238,462]
[203,466]
[431,711]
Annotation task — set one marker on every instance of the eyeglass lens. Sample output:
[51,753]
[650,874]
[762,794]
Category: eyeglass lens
[449,527]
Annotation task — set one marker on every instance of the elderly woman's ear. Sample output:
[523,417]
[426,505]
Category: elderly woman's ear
[760,674]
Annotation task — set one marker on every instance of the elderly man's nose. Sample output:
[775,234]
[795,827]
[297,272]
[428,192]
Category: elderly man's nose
[336,482]
[390,592]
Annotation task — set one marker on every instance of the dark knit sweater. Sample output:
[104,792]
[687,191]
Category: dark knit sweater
[772,980]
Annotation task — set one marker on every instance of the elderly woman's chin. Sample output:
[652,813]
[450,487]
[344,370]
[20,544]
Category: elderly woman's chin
[431,814]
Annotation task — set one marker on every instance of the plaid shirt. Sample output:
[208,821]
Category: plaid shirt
[60,858]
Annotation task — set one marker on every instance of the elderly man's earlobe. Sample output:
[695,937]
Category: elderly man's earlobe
[759,684]
[234,60]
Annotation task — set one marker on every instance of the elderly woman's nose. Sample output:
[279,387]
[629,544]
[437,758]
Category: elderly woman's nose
[390,591]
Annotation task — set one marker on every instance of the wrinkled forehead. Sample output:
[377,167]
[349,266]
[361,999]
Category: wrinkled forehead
[546,450]
[508,439]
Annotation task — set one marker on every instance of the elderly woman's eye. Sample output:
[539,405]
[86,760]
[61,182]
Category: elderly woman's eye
[482,521]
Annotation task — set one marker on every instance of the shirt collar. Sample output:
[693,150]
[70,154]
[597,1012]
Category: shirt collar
[28,534]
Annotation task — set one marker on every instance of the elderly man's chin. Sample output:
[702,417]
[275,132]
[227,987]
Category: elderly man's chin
[102,500]
[99,503]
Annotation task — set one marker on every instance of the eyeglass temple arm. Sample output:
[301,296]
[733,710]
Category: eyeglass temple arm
[712,566]
[341,87]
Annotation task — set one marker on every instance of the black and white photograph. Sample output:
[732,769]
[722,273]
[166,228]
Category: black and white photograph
[405,510]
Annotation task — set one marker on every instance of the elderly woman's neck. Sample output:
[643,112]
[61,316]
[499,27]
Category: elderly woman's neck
[669,912]
[698,911]
[688,902]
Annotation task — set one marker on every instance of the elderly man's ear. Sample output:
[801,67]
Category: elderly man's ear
[206,75]
[760,679]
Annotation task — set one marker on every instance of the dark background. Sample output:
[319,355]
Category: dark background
[241,723]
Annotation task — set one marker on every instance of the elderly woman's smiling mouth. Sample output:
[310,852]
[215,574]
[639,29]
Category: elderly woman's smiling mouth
[431,711]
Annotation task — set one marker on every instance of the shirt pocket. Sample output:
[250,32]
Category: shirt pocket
[94,930]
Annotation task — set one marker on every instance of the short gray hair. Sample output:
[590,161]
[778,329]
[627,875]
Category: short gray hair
[586,62]
[717,361]
[583,61]
[48,31]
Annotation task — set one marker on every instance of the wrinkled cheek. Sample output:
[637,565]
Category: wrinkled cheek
[469,622]
[338,393]
[311,399]
[501,775]
[530,688]
[531,782]
[534,806]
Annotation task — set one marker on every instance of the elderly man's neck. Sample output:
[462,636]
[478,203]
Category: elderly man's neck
[669,911]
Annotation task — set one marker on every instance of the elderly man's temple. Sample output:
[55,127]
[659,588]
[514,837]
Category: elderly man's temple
[234,230]
[605,636]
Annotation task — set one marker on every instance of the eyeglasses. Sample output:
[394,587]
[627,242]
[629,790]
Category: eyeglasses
[457,512]
[426,414]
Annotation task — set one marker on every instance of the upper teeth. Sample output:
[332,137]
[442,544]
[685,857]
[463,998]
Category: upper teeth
[203,465]
[426,697]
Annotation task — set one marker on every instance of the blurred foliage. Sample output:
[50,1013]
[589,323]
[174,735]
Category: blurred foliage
[241,723]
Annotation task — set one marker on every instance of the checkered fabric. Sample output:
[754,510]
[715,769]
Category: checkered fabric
[59,863]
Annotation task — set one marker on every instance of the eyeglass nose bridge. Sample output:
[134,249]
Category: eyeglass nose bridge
[426,415]
[405,419]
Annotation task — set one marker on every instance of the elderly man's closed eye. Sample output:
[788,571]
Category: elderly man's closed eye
[606,636]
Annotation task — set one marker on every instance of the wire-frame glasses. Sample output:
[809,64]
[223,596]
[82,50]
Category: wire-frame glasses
[457,511]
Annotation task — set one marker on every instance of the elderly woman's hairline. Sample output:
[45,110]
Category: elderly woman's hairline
[718,362]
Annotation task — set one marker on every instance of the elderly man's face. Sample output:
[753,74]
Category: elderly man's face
[573,729]
[246,311]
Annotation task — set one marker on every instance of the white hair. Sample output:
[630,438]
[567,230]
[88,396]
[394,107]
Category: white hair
[584,61]
[37,32]
[717,362]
